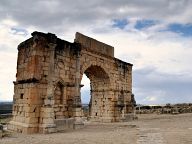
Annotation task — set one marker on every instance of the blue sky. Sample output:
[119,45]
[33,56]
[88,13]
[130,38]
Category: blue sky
[120,23]
[183,29]
[141,24]
[156,36]
[179,28]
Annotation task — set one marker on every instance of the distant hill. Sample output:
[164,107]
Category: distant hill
[6,107]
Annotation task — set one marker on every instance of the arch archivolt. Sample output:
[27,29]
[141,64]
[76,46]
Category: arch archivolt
[90,61]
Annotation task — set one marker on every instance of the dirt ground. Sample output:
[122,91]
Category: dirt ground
[148,129]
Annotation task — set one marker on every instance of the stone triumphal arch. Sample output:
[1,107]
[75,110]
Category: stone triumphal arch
[48,82]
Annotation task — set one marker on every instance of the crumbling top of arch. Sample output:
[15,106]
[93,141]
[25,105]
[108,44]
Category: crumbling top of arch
[94,45]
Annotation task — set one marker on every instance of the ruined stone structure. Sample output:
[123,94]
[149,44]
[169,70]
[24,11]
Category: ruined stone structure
[48,82]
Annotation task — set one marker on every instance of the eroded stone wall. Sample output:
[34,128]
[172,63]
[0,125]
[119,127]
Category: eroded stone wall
[48,83]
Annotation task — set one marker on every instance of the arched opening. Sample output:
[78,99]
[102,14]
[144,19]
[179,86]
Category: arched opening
[58,94]
[58,101]
[85,90]
[99,88]
[85,95]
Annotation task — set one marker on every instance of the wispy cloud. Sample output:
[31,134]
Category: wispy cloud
[153,35]
[152,86]
[19,31]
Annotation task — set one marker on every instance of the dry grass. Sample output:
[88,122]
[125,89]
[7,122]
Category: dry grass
[5,119]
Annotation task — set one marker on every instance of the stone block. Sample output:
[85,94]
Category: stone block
[48,120]
[31,120]
[49,102]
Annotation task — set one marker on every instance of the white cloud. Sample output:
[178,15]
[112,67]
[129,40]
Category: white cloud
[7,71]
[8,58]
[151,47]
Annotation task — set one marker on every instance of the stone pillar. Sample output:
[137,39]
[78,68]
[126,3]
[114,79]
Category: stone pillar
[49,101]
[77,106]
[47,111]
[130,108]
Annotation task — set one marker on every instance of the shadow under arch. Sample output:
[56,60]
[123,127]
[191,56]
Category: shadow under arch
[99,91]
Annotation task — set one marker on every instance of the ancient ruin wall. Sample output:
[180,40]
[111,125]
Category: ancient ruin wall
[48,83]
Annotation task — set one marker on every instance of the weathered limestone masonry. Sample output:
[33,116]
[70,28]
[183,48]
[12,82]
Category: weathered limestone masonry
[48,82]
